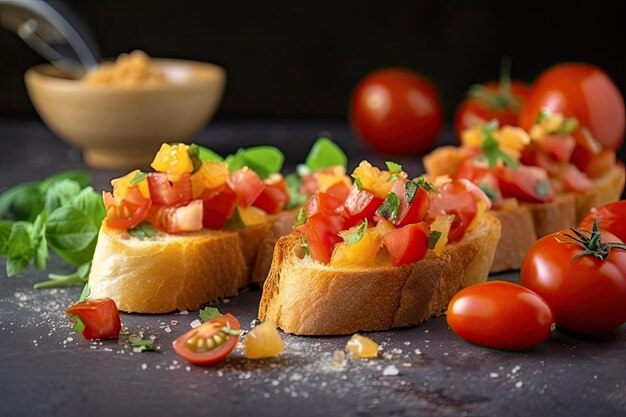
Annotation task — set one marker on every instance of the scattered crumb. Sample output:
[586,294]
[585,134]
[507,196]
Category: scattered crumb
[519,384]
[195,323]
[494,375]
[390,370]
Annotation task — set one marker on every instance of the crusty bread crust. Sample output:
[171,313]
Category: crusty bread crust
[305,297]
[605,189]
[282,225]
[518,235]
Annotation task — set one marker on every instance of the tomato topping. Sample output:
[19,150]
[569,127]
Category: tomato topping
[218,205]
[500,315]
[611,218]
[321,232]
[210,342]
[247,185]
[323,203]
[177,219]
[274,196]
[173,159]
[360,205]
[454,198]
[595,165]
[412,211]
[407,244]
[339,191]
[166,193]
[99,318]
[582,276]
[559,147]
[126,212]
[526,183]
[574,180]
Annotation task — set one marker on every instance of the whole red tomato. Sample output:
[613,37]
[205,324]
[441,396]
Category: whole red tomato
[500,315]
[611,217]
[586,293]
[582,91]
[493,100]
[396,111]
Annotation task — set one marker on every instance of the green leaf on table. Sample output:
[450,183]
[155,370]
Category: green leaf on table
[209,313]
[139,344]
[76,175]
[70,229]
[21,249]
[59,193]
[80,276]
[22,202]
[325,153]
[5,233]
[40,242]
[91,204]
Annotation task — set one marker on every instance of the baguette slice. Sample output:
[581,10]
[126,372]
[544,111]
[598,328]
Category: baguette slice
[180,272]
[305,297]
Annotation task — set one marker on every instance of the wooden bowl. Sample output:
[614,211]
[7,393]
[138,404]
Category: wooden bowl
[123,127]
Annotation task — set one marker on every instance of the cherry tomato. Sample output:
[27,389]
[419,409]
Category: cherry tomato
[455,198]
[166,193]
[127,212]
[492,100]
[247,185]
[210,342]
[407,244]
[582,91]
[360,205]
[587,294]
[416,210]
[218,205]
[526,183]
[611,217]
[500,315]
[274,196]
[99,316]
[396,111]
[177,219]
[321,232]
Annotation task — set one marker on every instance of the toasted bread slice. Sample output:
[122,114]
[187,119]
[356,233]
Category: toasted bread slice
[305,297]
[180,272]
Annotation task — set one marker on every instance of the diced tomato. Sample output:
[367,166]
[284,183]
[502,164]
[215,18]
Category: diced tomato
[322,203]
[414,212]
[177,219]
[99,316]
[533,155]
[595,165]
[526,183]
[166,193]
[321,231]
[470,170]
[455,198]
[247,185]
[488,183]
[574,180]
[339,191]
[127,212]
[218,205]
[559,147]
[274,196]
[407,244]
[360,205]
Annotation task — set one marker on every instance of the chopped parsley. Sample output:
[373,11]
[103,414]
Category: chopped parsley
[139,344]
[393,167]
[209,313]
[491,148]
[354,235]
[139,177]
[301,219]
[142,231]
[304,244]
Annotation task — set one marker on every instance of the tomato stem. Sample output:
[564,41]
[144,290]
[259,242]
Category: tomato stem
[503,97]
[593,244]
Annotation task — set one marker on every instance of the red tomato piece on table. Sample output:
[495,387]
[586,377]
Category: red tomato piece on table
[611,218]
[274,196]
[218,205]
[500,315]
[166,193]
[126,212]
[210,342]
[397,111]
[99,316]
[407,244]
[586,293]
[247,185]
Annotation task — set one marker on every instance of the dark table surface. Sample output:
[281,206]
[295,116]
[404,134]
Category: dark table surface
[47,370]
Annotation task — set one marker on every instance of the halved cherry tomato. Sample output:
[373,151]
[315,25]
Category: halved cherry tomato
[177,219]
[166,193]
[247,185]
[274,196]
[586,293]
[455,198]
[407,244]
[218,205]
[210,342]
[500,315]
[492,103]
[360,205]
[127,212]
[526,183]
[416,210]
[321,231]
[611,217]
[99,316]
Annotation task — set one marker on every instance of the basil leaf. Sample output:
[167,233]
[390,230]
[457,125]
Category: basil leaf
[20,247]
[422,182]
[355,235]
[5,233]
[60,193]
[70,229]
[410,190]
[296,198]
[393,167]
[390,207]
[138,178]
[264,160]
[80,276]
[205,154]
[22,202]
[40,243]
[85,293]
[142,231]
[209,313]
[301,219]
[325,153]
[76,175]
[91,204]
[77,324]
[433,238]
[139,344]
[358,183]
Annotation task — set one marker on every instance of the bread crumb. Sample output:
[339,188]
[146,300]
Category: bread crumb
[195,323]
[494,375]
[183,312]
[144,366]
[418,352]
[390,370]
[519,384]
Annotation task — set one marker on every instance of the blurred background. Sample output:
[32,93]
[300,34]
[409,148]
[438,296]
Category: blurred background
[301,60]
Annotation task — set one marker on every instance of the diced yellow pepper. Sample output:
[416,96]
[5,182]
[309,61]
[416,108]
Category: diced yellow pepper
[123,184]
[210,175]
[373,179]
[263,341]
[361,253]
[472,138]
[173,159]
[442,225]
[513,138]
[252,215]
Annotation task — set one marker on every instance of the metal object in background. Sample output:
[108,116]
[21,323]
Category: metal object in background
[53,31]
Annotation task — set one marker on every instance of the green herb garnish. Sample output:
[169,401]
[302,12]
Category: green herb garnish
[410,190]
[491,193]
[354,235]
[390,207]
[77,324]
[138,178]
[393,167]
[235,222]
[264,160]
[304,244]
[142,231]
[301,219]
[296,198]
[422,182]
[358,183]
[542,188]
[325,153]
[209,313]
[491,148]
[139,344]
[543,115]
[569,125]
[433,238]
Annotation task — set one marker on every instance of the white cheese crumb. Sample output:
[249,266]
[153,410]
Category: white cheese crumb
[195,323]
[390,370]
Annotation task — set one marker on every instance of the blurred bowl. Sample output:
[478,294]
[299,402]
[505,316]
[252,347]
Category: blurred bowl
[123,127]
